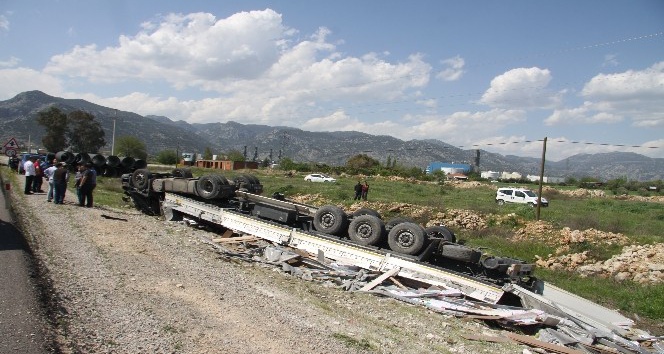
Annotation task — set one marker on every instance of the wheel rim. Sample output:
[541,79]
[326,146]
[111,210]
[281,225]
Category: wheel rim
[327,220]
[364,231]
[406,239]
[208,187]
[140,178]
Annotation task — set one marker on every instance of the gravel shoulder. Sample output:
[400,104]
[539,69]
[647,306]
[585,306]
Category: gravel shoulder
[138,284]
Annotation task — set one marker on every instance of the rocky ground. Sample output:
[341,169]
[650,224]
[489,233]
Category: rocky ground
[123,282]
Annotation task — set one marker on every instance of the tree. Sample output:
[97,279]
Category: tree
[55,122]
[362,161]
[167,157]
[85,133]
[235,155]
[207,155]
[131,146]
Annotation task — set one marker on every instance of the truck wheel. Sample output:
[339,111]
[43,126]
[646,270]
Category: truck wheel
[500,202]
[242,181]
[182,173]
[141,178]
[461,253]
[406,238]
[366,211]
[330,219]
[532,205]
[396,221]
[208,187]
[253,179]
[366,230]
[440,232]
[221,180]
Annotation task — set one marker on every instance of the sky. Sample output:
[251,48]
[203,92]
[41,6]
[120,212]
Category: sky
[494,75]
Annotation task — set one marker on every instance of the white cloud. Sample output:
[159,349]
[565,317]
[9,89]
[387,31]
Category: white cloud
[454,69]
[183,50]
[522,88]
[634,94]
[562,147]
[24,79]
[586,114]
[460,128]
[12,62]
[340,121]
[249,62]
[4,23]
[612,98]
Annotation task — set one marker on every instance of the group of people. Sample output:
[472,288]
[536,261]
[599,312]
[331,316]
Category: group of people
[57,175]
[361,190]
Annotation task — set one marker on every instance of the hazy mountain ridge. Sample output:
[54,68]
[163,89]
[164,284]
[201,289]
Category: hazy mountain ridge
[18,119]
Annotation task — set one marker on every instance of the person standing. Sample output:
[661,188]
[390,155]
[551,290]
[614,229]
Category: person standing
[358,191]
[86,185]
[48,174]
[60,179]
[29,168]
[365,190]
[39,177]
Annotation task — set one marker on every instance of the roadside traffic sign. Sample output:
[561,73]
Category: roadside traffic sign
[11,144]
[10,152]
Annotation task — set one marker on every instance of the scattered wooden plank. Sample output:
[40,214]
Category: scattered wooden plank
[398,284]
[235,239]
[390,273]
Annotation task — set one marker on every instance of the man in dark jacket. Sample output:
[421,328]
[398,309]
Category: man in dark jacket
[358,191]
[87,185]
[60,179]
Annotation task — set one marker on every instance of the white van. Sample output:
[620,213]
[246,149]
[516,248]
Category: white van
[518,195]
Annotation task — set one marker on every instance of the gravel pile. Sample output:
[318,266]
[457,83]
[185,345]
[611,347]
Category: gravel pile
[124,282]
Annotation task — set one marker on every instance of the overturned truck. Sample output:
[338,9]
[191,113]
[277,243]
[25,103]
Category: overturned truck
[400,236]
[419,256]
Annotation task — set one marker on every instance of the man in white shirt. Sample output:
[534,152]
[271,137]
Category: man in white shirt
[48,173]
[29,167]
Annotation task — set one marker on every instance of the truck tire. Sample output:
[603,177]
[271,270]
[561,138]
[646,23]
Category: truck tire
[366,230]
[440,232]
[208,186]
[461,253]
[182,173]
[366,211]
[243,181]
[330,219]
[500,202]
[396,221]
[406,238]
[141,179]
[253,179]
[221,180]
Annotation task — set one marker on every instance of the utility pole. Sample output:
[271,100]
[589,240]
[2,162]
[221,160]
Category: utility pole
[541,180]
[113,141]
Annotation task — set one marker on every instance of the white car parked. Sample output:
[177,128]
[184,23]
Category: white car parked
[319,177]
[518,195]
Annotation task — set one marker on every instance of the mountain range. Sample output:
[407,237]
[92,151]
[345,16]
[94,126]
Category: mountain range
[18,119]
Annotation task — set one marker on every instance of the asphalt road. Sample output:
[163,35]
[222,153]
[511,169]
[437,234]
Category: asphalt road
[22,320]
